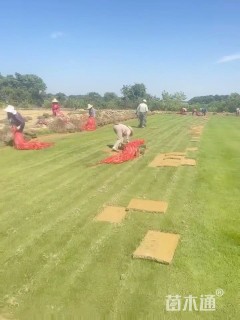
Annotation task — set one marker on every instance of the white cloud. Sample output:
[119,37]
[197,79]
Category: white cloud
[229,58]
[55,35]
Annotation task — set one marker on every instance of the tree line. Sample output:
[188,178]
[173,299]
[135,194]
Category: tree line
[27,91]
[217,103]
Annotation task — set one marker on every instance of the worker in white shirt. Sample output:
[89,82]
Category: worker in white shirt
[141,112]
[123,133]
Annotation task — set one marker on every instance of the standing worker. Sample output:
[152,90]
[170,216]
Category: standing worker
[141,112]
[91,122]
[123,133]
[15,118]
[55,107]
[91,111]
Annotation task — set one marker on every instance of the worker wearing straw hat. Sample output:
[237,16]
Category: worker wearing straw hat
[55,107]
[91,111]
[141,112]
[15,118]
[91,122]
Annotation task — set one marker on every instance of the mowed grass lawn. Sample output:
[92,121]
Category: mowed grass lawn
[57,263]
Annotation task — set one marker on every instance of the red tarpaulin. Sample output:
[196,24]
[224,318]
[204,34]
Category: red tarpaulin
[21,144]
[130,151]
[90,125]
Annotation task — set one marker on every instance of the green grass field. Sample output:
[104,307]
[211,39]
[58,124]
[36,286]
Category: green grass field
[57,263]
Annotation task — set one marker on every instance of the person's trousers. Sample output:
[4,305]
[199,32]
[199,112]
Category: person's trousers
[142,119]
[120,137]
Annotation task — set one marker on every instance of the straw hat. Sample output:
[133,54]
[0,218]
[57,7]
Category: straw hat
[89,106]
[10,109]
[55,100]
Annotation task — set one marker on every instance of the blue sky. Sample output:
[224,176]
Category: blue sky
[81,46]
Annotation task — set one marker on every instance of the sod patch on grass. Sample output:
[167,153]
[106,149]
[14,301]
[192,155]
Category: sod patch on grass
[157,246]
[112,214]
[148,205]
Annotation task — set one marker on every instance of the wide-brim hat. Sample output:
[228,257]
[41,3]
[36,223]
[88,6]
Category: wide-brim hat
[144,100]
[89,106]
[10,109]
[55,100]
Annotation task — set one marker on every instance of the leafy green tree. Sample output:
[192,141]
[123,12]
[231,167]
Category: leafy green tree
[134,92]
[28,89]
[94,96]
[166,96]
[109,96]
[233,102]
[173,102]
[217,103]
[208,99]
[178,96]
[154,104]
[61,97]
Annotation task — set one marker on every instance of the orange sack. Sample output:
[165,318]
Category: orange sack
[130,151]
[90,125]
[21,144]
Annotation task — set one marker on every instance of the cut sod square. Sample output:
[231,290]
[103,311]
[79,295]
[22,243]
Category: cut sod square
[112,214]
[174,157]
[188,162]
[197,131]
[157,246]
[156,160]
[161,162]
[197,128]
[175,153]
[169,163]
[148,205]
[192,149]
[171,159]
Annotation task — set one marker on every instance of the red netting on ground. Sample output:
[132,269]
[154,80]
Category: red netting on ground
[130,151]
[21,144]
[90,125]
